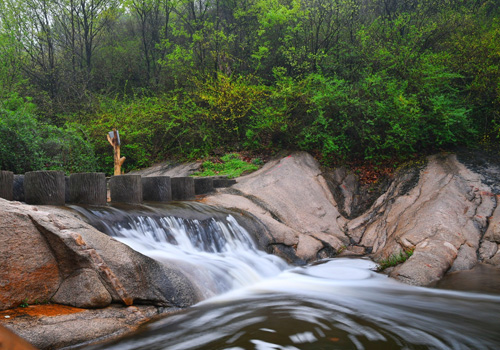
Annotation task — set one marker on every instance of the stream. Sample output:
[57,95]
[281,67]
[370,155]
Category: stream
[254,300]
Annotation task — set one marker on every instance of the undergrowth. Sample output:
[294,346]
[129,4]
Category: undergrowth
[231,165]
[394,260]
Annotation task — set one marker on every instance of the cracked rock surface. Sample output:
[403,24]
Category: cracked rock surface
[292,199]
[446,212]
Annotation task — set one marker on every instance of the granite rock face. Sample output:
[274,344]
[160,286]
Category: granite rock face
[291,198]
[50,253]
[445,211]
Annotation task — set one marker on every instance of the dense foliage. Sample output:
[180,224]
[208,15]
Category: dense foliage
[27,144]
[344,79]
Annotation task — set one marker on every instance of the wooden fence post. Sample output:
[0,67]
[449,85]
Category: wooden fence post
[44,187]
[88,188]
[6,184]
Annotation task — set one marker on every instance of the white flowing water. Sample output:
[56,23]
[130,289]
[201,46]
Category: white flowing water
[260,302]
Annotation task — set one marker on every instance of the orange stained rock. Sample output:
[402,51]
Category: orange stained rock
[38,311]
[10,341]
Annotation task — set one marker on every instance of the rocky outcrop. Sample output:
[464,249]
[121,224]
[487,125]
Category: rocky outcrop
[443,210]
[49,254]
[292,199]
[440,213]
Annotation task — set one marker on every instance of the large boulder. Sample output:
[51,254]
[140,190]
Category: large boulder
[443,210]
[291,198]
[439,212]
[29,270]
[50,254]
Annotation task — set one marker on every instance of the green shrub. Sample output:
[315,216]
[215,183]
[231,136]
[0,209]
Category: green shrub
[27,144]
[230,165]
[394,260]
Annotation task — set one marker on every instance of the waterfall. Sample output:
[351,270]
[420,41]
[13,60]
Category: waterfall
[206,243]
[257,301]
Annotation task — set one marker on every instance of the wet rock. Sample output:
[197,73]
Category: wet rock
[466,259]
[352,197]
[46,249]
[441,215]
[83,289]
[66,328]
[487,249]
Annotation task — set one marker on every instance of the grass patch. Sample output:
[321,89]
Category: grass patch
[231,165]
[394,260]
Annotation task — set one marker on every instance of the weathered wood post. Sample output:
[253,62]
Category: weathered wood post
[114,139]
[182,188]
[203,185]
[6,185]
[88,188]
[126,188]
[44,187]
[66,189]
[156,188]
[19,188]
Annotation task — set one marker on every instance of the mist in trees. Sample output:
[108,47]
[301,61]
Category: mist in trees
[343,79]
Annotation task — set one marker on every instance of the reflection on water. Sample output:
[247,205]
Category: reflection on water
[341,304]
[265,304]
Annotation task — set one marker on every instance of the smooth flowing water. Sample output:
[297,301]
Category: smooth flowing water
[257,301]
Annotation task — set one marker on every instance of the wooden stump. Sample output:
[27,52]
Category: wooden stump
[126,188]
[182,188]
[66,189]
[203,185]
[19,188]
[156,188]
[87,188]
[6,185]
[44,187]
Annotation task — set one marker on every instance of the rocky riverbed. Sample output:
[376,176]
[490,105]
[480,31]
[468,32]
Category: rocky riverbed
[445,210]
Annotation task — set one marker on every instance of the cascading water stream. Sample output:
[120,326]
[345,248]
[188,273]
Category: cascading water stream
[259,302]
[214,249]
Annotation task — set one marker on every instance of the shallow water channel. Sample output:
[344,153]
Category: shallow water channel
[256,301]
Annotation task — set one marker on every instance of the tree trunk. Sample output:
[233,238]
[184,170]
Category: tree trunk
[156,189]
[126,188]
[88,188]
[182,188]
[6,185]
[44,187]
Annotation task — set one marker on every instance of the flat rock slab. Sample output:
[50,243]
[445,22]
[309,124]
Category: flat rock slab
[56,326]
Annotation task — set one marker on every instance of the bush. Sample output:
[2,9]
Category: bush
[28,145]
[230,165]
